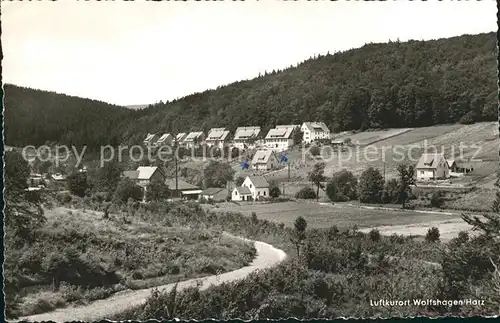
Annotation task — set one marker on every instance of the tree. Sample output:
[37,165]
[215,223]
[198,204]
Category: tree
[239,181]
[299,233]
[298,135]
[77,184]
[406,178]
[274,191]
[432,235]
[157,190]
[23,209]
[317,177]
[105,178]
[370,186]
[391,191]
[315,150]
[437,199]
[126,189]
[343,186]
[217,174]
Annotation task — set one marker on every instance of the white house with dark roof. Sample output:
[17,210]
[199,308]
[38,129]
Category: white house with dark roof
[246,137]
[264,160]
[241,193]
[313,131]
[432,166]
[150,139]
[193,139]
[258,186]
[280,138]
[217,137]
[165,140]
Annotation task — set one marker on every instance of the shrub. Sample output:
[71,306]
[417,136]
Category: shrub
[391,193]
[468,118]
[315,150]
[239,181]
[127,189]
[432,235]
[274,191]
[345,183]
[306,193]
[437,199]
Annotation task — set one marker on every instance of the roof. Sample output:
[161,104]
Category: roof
[149,137]
[164,137]
[182,185]
[280,132]
[217,134]
[293,126]
[316,126]
[259,181]
[58,177]
[430,161]
[193,135]
[180,136]
[262,156]
[212,190]
[145,172]
[451,162]
[188,192]
[243,190]
[246,132]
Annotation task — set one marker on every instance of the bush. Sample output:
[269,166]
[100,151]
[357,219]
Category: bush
[468,118]
[315,150]
[239,181]
[437,199]
[63,198]
[345,184]
[432,235]
[306,193]
[274,191]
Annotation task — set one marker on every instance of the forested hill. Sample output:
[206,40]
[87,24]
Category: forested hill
[410,84]
[35,117]
[397,84]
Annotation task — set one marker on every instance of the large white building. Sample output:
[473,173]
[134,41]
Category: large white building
[432,166]
[264,160]
[313,131]
[256,187]
[280,138]
[217,137]
[246,137]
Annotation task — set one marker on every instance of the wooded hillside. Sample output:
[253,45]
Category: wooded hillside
[410,84]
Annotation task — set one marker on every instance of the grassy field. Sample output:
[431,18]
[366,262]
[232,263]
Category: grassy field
[370,137]
[123,252]
[324,216]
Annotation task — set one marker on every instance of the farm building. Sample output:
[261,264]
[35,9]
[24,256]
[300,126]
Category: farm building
[264,160]
[241,193]
[165,140]
[215,194]
[314,131]
[150,140]
[217,137]
[432,166]
[184,189]
[193,139]
[280,138]
[246,137]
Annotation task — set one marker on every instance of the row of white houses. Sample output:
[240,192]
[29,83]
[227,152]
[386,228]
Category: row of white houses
[277,139]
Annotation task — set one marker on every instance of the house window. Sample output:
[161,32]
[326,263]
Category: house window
[422,172]
[264,193]
[258,192]
[250,185]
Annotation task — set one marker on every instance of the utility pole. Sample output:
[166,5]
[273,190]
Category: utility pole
[384,171]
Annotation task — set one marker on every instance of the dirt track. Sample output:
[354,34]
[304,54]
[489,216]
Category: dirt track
[267,256]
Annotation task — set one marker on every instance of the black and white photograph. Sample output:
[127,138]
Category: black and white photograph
[192,160]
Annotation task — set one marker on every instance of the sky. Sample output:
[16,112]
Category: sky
[141,52]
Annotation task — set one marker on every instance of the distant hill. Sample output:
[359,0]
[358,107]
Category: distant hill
[392,85]
[35,117]
[137,106]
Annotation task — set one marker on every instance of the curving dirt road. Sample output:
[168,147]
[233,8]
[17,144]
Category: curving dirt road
[267,256]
